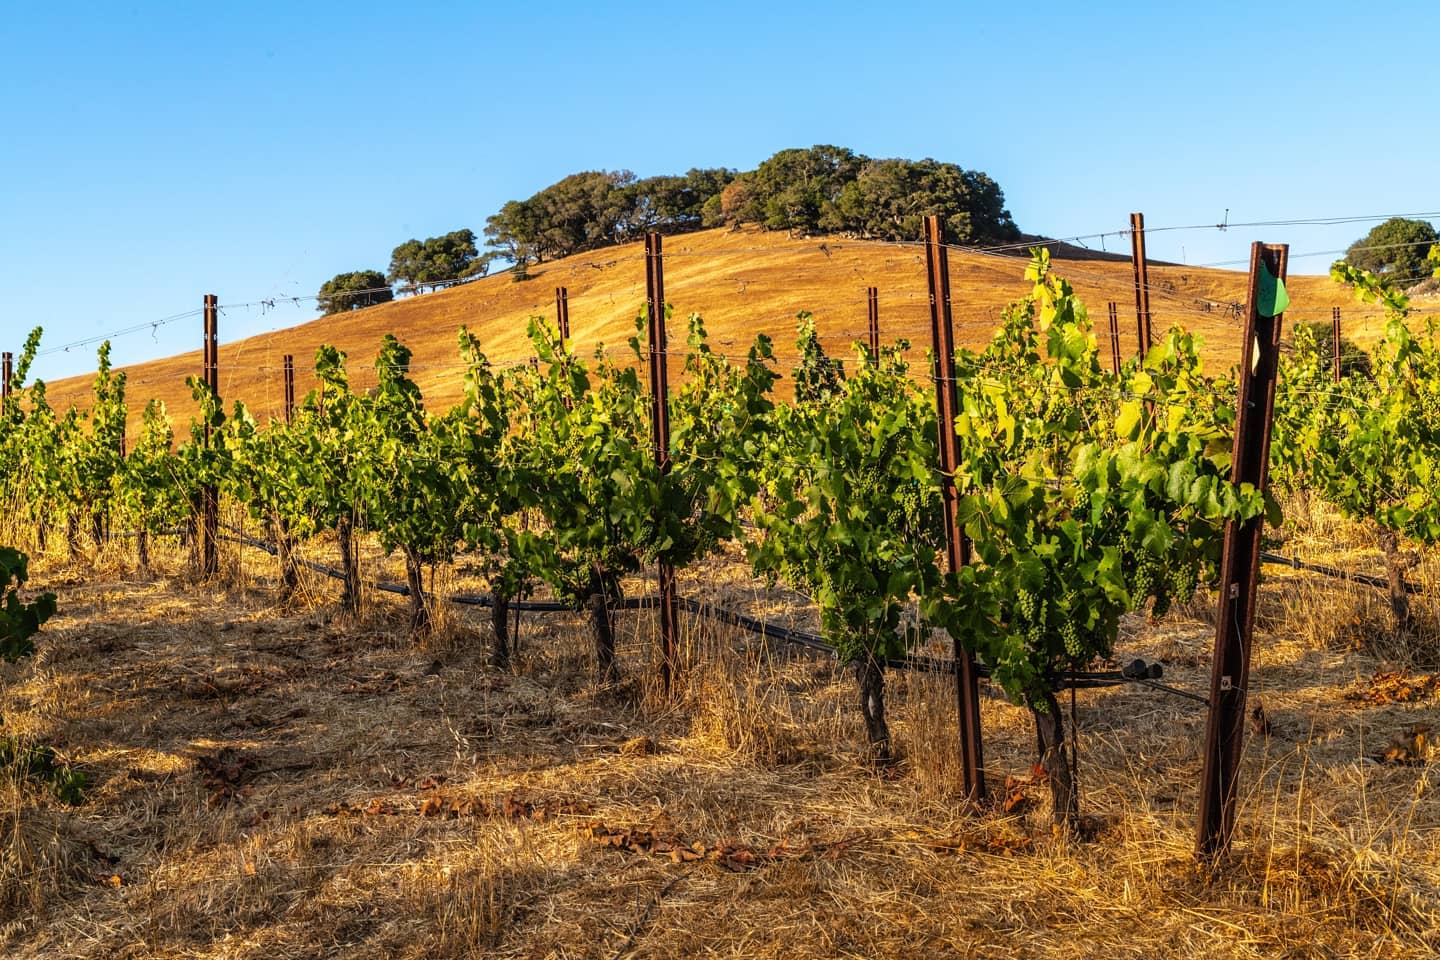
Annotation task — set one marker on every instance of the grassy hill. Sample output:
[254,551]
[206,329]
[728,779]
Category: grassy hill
[743,282]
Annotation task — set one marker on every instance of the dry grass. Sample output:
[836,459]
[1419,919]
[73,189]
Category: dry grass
[283,782]
[744,283]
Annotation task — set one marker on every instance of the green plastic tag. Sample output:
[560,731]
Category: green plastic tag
[1272,298]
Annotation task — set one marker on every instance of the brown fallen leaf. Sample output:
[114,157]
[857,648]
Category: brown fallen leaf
[948,845]
[1409,747]
[1396,686]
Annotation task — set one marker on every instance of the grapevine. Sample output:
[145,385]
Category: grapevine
[1081,490]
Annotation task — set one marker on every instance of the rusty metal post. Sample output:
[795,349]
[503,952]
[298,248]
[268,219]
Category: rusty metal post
[562,313]
[660,429]
[1240,563]
[1335,339]
[289,362]
[1114,337]
[7,371]
[1142,282]
[872,295]
[957,544]
[209,494]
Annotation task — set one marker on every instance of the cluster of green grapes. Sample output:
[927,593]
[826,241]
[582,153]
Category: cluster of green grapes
[829,568]
[909,499]
[893,504]
[1034,615]
[1147,573]
[1151,577]
[1070,630]
[1060,406]
[1080,510]
[1031,613]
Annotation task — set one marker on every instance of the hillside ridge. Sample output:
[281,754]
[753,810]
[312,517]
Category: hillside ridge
[744,282]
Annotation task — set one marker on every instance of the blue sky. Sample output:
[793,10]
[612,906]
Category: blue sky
[153,153]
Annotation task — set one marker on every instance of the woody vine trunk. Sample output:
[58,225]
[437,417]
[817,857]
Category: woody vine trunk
[870,676]
[285,553]
[350,595]
[420,621]
[1050,738]
[602,628]
[500,624]
[1395,566]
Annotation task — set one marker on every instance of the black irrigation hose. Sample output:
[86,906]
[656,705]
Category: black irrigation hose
[474,600]
[812,641]
[1295,563]
[1137,671]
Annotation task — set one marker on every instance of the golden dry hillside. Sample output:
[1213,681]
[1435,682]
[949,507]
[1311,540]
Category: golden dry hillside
[743,282]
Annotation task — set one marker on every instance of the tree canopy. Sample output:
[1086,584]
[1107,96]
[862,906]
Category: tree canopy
[834,190]
[824,188]
[820,189]
[353,291]
[600,208]
[437,260]
[1396,250]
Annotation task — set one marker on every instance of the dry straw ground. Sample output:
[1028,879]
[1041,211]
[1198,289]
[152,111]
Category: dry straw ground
[276,782]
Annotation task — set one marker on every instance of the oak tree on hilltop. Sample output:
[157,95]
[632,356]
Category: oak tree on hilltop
[1395,249]
[353,291]
[437,260]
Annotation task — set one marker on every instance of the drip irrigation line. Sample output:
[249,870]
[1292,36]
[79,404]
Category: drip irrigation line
[1336,573]
[1136,673]
[473,600]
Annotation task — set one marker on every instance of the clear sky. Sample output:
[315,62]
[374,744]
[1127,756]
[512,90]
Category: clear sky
[152,153]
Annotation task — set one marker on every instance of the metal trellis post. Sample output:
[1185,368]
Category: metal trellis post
[1114,337]
[1142,282]
[957,544]
[209,494]
[289,362]
[1240,562]
[562,313]
[1335,339]
[660,427]
[872,301]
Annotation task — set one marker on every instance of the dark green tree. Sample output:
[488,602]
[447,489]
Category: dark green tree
[676,204]
[889,199]
[798,189]
[353,291]
[1396,250]
[436,260]
[818,189]
[514,232]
